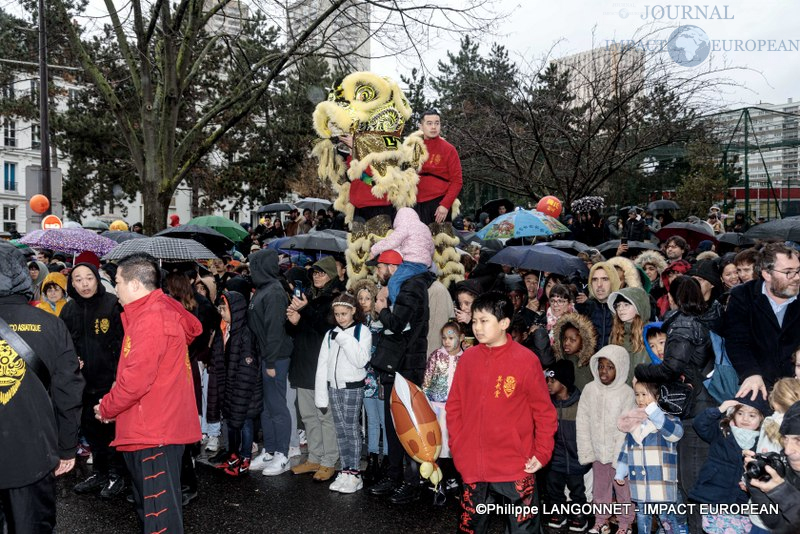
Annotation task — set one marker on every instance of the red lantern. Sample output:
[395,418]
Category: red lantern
[549,205]
[39,203]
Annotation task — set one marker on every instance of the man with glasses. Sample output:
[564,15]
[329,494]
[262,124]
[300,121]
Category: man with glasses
[762,321]
[675,248]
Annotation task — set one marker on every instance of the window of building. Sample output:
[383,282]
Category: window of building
[73,96]
[9,176]
[8,91]
[36,136]
[9,218]
[9,132]
[35,91]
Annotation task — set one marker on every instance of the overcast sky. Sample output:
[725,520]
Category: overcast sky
[534,27]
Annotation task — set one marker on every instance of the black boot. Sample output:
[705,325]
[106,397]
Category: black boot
[371,474]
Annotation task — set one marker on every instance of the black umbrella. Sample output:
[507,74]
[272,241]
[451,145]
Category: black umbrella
[540,258]
[276,207]
[611,246]
[736,239]
[663,204]
[210,238]
[493,208]
[162,248]
[568,246]
[787,229]
[322,241]
[692,233]
[121,237]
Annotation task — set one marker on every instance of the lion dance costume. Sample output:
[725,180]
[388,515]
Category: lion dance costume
[381,170]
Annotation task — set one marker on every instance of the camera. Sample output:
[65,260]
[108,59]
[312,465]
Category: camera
[756,468]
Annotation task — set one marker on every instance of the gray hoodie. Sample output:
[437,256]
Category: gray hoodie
[266,315]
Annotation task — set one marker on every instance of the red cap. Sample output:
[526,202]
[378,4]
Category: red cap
[390,257]
[88,257]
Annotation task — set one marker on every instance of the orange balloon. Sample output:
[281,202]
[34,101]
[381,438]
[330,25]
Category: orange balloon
[39,203]
[549,205]
[416,426]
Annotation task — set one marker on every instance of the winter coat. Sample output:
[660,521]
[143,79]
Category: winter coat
[342,361]
[755,343]
[583,373]
[718,480]
[441,310]
[654,358]
[411,238]
[211,287]
[308,333]
[53,307]
[650,461]
[597,311]
[97,333]
[600,407]
[499,413]
[237,368]
[153,398]
[635,229]
[435,384]
[688,353]
[629,270]
[787,497]
[410,310]
[641,302]
[565,451]
[266,315]
[37,284]
[39,428]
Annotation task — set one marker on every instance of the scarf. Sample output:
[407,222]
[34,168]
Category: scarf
[746,439]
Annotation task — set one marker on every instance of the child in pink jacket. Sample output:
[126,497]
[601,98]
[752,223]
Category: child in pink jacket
[413,240]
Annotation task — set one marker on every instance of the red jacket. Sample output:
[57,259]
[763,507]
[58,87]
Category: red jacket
[441,173]
[153,397]
[499,413]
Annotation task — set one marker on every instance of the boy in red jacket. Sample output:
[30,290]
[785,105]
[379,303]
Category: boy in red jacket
[501,422]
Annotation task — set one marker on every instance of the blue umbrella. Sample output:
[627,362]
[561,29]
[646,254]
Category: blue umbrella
[541,258]
[522,223]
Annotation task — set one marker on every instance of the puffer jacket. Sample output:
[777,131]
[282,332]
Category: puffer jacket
[688,353]
[308,334]
[583,373]
[237,367]
[597,311]
[342,361]
[600,406]
[97,333]
[565,452]
[629,271]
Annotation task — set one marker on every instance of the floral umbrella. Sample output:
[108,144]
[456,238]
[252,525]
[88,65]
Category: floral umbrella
[70,241]
[522,223]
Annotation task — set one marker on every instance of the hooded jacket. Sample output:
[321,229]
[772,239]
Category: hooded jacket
[600,406]
[641,301]
[654,358]
[651,257]
[583,373]
[499,413]
[38,427]
[565,452]
[266,315]
[97,332]
[342,361]
[411,238]
[37,284]
[596,310]
[237,368]
[629,271]
[211,287]
[55,307]
[153,397]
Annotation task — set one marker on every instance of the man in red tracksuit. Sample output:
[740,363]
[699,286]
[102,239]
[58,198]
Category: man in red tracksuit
[500,420]
[440,178]
[152,399]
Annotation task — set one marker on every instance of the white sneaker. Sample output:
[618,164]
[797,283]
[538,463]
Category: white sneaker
[212,445]
[258,463]
[90,460]
[352,484]
[301,436]
[279,464]
[294,452]
[340,479]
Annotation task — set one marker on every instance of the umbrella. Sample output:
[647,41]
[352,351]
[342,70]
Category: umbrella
[119,236]
[314,204]
[226,227]
[784,229]
[587,204]
[611,246]
[493,208]
[522,223]
[210,238]
[540,258]
[736,239]
[70,241]
[274,207]
[72,224]
[162,248]
[318,241]
[95,225]
[22,246]
[692,233]
[570,247]
[663,204]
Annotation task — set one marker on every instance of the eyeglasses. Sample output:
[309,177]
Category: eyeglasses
[319,273]
[793,273]
[558,301]
[672,245]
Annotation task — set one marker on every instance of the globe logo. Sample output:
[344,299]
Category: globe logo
[688,46]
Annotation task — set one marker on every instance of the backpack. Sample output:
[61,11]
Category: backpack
[723,382]
[357,334]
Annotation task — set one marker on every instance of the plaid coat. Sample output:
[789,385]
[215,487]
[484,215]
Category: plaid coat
[652,464]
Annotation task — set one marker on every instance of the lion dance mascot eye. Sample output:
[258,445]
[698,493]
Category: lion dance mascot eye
[380,173]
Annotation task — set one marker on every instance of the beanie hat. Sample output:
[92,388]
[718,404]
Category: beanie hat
[760,403]
[791,421]
[563,371]
[704,245]
[88,257]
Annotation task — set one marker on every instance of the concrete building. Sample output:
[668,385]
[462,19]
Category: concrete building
[229,19]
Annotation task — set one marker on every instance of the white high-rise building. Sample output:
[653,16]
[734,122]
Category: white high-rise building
[344,38]
[229,20]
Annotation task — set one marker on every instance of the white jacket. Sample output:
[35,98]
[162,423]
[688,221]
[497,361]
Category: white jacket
[341,360]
